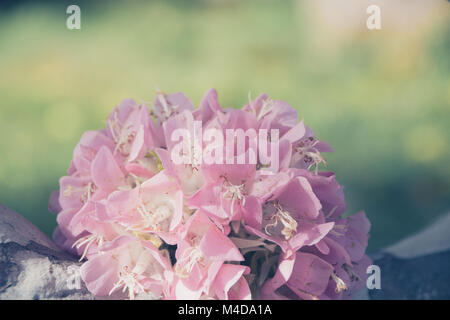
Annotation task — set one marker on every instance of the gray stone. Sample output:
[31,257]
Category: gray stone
[31,265]
[420,278]
[417,267]
[15,228]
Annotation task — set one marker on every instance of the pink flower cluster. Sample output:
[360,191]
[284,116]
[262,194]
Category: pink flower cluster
[146,227]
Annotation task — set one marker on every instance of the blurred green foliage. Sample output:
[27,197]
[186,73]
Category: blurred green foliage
[380,98]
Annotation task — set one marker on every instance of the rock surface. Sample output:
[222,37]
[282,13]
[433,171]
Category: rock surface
[420,278]
[31,266]
[417,267]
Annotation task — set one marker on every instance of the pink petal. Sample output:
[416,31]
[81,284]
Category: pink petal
[228,276]
[310,274]
[216,245]
[105,171]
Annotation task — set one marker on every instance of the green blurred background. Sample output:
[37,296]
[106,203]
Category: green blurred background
[381,98]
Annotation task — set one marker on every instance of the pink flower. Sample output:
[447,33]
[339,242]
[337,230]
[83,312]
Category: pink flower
[86,149]
[200,255]
[309,276]
[168,105]
[126,264]
[289,216]
[131,128]
[340,252]
[302,275]
[152,219]
[272,114]
[155,207]
[187,174]
[277,114]
[224,197]
[306,152]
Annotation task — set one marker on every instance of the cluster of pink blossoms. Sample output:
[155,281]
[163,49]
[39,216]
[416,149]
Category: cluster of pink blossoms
[147,227]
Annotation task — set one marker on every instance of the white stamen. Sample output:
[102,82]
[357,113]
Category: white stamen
[124,142]
[128,279]
[331,212]
[340,284]
[235,192]
[122,138]
[188,260]
[113,124]
[342,230]
[88,240]
[167,110]
[86,191]
[289,223]
[152,218]
[265,109]
[308,153]
[163,102]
